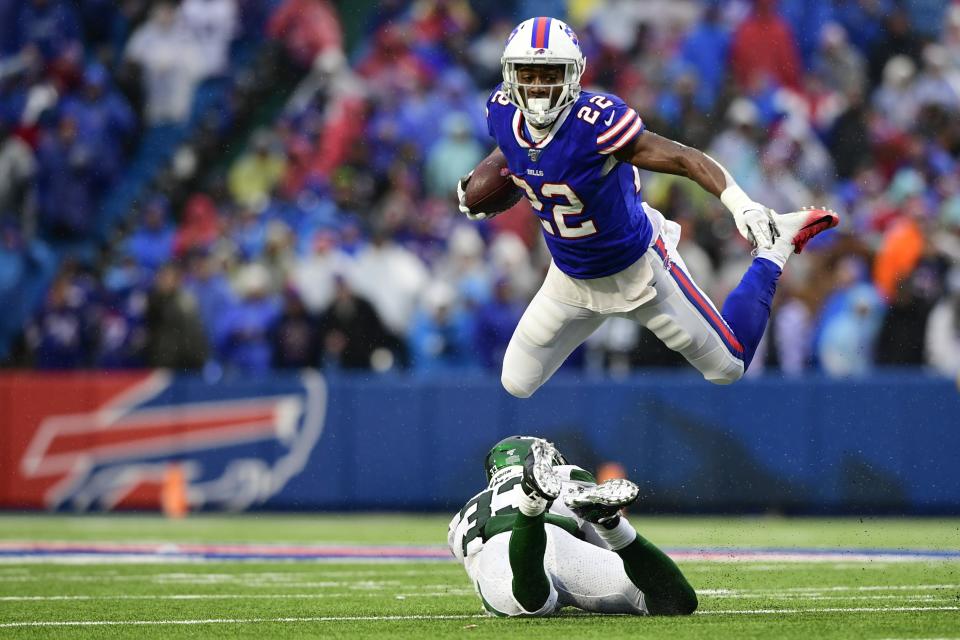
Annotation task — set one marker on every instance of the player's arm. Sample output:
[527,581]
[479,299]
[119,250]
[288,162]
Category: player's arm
[656,153]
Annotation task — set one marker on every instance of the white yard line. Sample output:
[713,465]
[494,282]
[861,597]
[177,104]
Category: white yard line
[238,596]
[825,610]
[94,623]
[879,587]
[448,593]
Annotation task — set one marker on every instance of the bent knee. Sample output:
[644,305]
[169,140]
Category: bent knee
[725,375]
[516,389]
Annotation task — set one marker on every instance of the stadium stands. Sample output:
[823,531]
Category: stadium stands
[300,186]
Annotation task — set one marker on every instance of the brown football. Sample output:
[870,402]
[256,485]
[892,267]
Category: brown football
[490,189]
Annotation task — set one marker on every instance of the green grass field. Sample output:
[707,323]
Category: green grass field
[102,597]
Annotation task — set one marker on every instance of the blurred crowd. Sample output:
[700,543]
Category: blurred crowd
[333,239]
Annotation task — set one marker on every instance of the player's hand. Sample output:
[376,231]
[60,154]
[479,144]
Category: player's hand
[755,223]
[462,197]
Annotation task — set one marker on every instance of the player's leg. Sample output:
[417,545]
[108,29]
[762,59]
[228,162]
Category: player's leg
[590,577]
[747,308]
[721,345]
[546,335]
[540,485]
[665,589]
[683,317]
[522,586]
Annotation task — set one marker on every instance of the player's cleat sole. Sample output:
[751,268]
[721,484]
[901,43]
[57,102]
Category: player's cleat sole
[599,503]
[801,226]
[540,479]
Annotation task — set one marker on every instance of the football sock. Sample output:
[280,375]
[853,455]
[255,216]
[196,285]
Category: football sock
[528,543]
[666,591]
[619,536]
[747,308]
[531,505]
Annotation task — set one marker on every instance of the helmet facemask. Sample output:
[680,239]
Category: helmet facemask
[541,111]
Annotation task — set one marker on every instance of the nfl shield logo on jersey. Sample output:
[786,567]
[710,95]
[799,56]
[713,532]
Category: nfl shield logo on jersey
[534,154]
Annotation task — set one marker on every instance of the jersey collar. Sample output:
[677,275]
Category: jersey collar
[520,129]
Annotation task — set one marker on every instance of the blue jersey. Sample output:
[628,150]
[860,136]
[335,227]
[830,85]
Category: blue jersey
[589,204]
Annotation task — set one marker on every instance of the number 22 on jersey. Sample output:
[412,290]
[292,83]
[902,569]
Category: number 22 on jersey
[574,207]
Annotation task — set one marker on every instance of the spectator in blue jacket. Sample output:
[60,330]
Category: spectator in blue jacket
[243,333]
[66,182]
[104,120]
[59,337]
[705,50]
[496,320]
[151,243]
[52,26]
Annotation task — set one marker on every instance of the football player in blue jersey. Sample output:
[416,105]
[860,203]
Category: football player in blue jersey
[576,155]
[544,535]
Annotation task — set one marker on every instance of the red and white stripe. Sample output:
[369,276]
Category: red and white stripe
[626,128]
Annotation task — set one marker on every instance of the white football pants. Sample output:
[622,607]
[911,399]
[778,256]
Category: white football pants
[581,575]
[680,315]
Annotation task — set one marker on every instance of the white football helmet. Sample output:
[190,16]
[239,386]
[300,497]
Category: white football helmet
[546,41]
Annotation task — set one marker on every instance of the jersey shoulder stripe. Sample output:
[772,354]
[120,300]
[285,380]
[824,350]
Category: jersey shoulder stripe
[614,123]
[633,125]
[625,120]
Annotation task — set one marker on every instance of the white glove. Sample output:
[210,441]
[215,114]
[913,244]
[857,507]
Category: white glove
[755,223]
[461,196]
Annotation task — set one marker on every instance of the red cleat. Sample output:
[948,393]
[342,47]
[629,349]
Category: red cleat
[801,226]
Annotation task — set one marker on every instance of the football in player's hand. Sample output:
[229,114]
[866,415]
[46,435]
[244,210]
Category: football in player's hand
[490,189]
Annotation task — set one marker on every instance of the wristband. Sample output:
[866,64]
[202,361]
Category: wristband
[736,200]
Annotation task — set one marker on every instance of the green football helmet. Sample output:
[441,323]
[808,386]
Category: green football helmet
[511,452]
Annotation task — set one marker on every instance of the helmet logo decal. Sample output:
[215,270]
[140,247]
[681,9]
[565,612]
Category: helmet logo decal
[573,36]
[512,34]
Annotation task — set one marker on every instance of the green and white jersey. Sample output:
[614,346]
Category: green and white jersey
[494,509]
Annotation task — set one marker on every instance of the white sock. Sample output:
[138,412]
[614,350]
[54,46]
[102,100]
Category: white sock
[776,255]
[618,537]
[531,505]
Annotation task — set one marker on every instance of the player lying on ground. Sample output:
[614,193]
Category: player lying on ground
[543,535]
[575,155]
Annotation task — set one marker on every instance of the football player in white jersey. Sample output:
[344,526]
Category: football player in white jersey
[544,535]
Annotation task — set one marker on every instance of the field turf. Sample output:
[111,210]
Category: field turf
[807,595]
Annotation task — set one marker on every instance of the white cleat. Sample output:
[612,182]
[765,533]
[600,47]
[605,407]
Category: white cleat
[540,479]
[799,227]
[601,503]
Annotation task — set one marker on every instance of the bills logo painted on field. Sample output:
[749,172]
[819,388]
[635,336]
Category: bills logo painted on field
[109,441]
